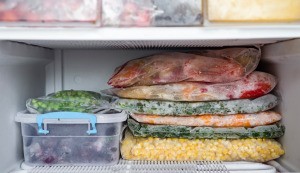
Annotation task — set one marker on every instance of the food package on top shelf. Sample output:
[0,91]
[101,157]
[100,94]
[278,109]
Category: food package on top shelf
[254,85]
[46,12]
[253,11]
[174,131]
[164,108]
[221,65]
[258,150]
[151,13]
[69,100]
[210,120]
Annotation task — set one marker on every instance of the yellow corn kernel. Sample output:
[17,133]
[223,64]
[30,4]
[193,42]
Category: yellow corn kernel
[262,150]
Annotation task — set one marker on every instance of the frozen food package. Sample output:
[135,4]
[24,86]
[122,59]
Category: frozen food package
[254,85]
[151,13]
[254,11]
[210,120]
[68,100]
[257,150]
[42,13]
[225,65]
[163,108]
[175,131]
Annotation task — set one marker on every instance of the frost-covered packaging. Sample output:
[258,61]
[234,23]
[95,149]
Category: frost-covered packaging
[257,150]
[254,85]
[151,13]
[218,66]
[68,100]
[210,120]
[240,106]
[253,11]
[50,12]
[175,131]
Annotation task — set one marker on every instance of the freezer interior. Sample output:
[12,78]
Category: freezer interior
[34,70]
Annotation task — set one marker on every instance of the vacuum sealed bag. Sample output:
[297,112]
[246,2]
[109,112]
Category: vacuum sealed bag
[257,150]
[220,65]
[57,13]
[151,13]
[235,120]
[69,100]
[253,11]
[171,131]
[241,106]
[254,85]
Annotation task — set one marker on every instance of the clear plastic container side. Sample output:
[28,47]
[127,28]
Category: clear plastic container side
[70,144]
[103,129]
[151,13]
[50,11]
[93,150]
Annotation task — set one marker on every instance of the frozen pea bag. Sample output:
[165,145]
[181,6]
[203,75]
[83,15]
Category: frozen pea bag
[69,100]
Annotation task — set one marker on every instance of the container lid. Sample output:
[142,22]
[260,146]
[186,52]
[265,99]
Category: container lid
[106,116]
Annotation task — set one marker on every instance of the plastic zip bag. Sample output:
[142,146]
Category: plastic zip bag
[69,100]
[171,131]
[235,120]
[151,13]
[49,11]
[257,150]
[217,66]
[241,106]
[254,85]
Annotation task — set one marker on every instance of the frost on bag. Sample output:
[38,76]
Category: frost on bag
[241,106]
[257,150]
[69,100]
[224,65]
[151,13]
[49,11]
[171,131]
[254,85]
[210,120]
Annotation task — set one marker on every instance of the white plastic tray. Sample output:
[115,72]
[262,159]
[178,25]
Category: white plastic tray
[157,167]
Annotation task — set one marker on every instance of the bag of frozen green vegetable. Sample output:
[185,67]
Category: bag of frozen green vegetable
[69,100]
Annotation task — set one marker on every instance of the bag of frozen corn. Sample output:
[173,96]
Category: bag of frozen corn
[220,65]
[210,120]
[254,85]
[163,108]
[257,150]
[174,131]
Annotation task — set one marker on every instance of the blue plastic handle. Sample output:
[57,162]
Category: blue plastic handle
[66,115]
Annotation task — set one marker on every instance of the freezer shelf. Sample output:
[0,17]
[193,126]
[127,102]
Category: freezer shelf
[150,37]
[158,167]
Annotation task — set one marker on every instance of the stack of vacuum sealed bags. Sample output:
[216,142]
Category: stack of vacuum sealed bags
[198,105]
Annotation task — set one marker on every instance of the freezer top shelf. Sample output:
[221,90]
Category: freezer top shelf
[150,37]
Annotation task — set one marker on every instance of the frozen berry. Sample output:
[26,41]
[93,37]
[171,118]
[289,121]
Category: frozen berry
[49,160]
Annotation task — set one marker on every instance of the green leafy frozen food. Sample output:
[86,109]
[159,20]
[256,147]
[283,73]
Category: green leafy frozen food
[173,131]
[240,106]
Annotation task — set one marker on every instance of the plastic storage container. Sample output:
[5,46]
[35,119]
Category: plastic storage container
[254,11]
[62,138]
[49,13]
[151,13]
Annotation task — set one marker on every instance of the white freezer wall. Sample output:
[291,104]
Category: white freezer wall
[22,75]
[283,60]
